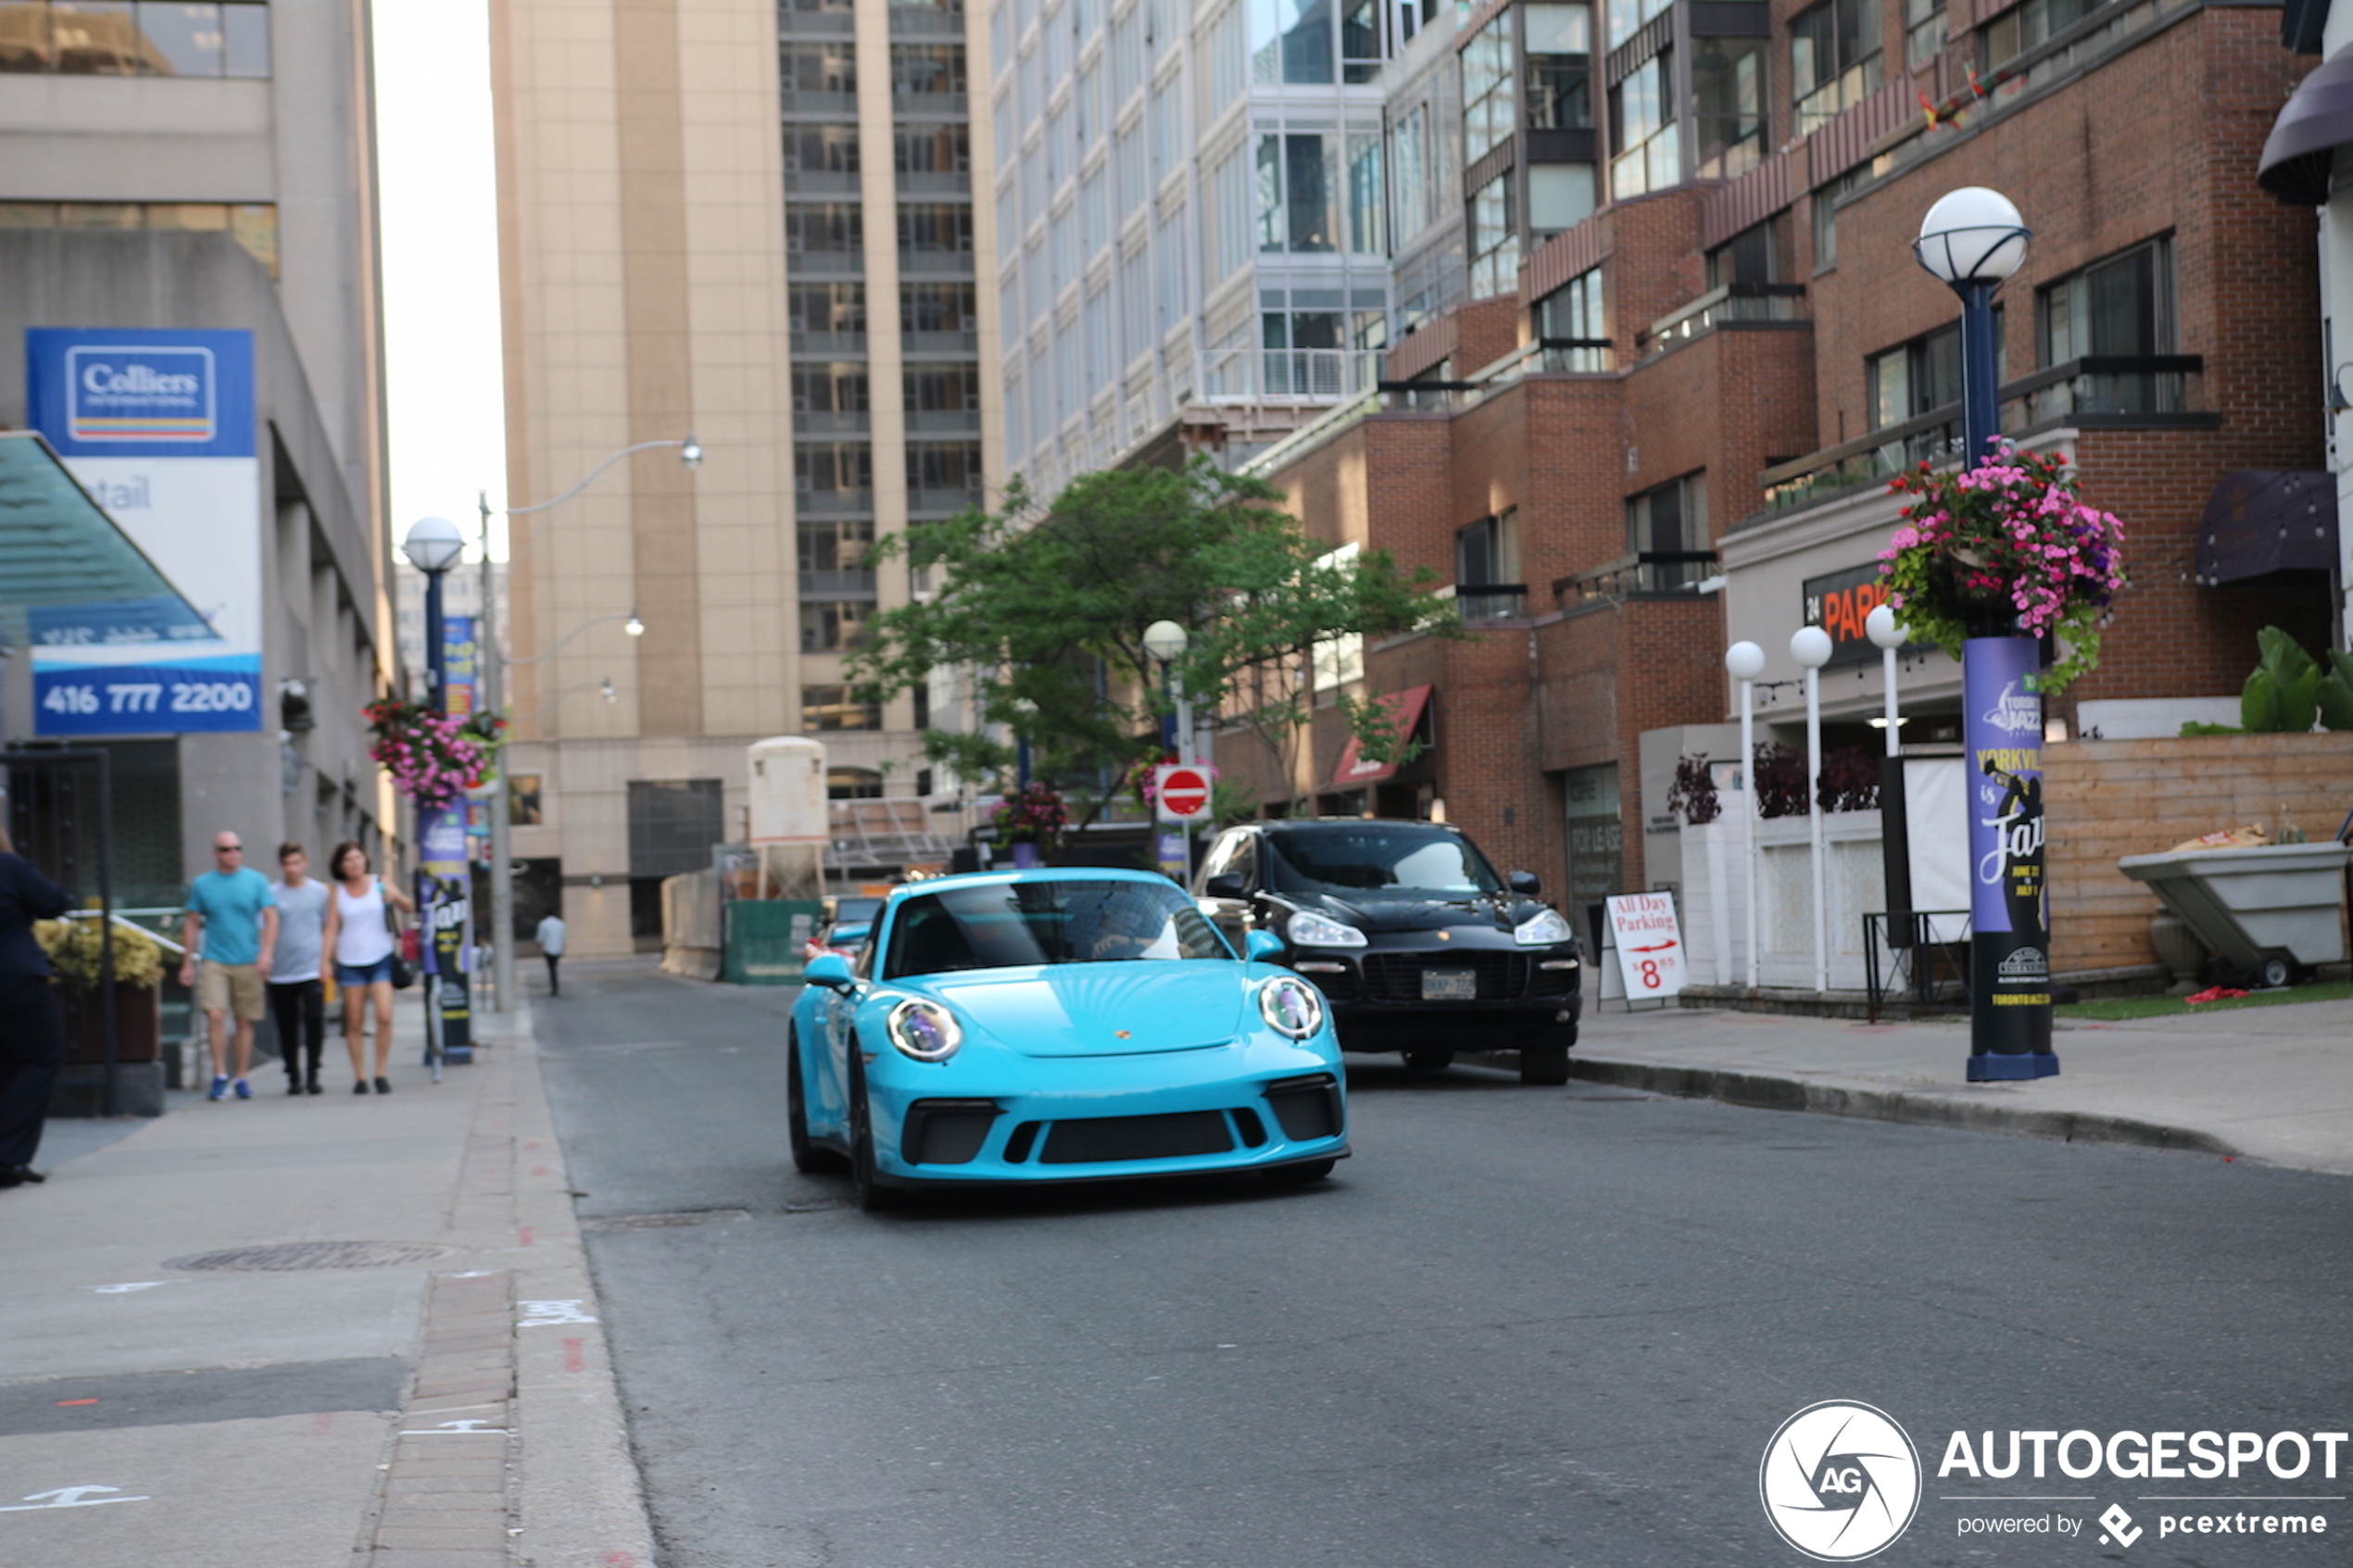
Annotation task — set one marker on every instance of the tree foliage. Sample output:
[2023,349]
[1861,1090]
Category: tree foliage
[1048,605]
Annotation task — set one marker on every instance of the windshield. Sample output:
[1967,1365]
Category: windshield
[1386,860]
[1011,926]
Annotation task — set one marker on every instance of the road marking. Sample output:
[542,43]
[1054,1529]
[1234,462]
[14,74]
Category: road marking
[69,1497]
[575,1355]
[546,1314]
[135,1285]
[465,1428]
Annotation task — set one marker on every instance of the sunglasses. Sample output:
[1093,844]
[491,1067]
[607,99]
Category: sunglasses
[228,848]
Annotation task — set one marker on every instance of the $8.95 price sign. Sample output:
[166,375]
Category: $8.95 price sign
[1650,944]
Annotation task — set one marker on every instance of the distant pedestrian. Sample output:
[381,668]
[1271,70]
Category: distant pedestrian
[551,947]
[359,935]
[33,1040]
[298,993]
[231,926]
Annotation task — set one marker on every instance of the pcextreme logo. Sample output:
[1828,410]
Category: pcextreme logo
[1840,1481]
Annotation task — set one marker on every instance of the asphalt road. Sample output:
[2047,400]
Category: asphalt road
[1522,1326]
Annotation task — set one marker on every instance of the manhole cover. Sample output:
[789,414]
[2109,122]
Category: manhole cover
[663,1222]
[287,1257]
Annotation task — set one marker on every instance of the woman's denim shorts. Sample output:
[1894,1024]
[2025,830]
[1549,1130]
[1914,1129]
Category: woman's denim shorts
[365,974]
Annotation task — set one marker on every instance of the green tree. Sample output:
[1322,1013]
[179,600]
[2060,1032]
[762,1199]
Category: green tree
[1048,606]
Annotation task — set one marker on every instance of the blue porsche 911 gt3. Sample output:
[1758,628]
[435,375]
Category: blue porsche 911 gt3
[1073,1024]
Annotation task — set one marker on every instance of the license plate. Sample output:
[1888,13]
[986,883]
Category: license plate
[1450,986]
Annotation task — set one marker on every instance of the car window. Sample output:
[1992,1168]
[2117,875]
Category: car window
[1235,854]
[1009,925]
[1389,859]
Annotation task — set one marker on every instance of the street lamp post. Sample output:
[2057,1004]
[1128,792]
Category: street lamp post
[1896,836]
[1166,641]
[1745,662]
[1811,646]
[433,547]
[502,865]
[1971,240]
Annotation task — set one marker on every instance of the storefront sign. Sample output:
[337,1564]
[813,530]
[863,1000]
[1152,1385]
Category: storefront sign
[158,427]
[1839,604]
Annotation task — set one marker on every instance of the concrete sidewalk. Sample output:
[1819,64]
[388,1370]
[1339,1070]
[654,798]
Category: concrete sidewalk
[2273,1083]
[396,1364]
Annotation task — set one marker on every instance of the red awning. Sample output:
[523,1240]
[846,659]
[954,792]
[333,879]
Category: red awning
[1354,771]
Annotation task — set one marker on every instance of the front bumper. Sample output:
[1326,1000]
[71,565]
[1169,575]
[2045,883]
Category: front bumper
[1252,1106]
[1517,994]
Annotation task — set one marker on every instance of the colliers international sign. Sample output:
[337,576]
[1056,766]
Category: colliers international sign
[158,427]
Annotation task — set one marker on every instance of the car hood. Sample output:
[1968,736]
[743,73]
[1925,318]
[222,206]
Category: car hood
[1418,914]
[1102,1009]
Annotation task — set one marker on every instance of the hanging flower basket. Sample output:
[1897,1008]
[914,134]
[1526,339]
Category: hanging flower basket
[2007,549]
[1032,816]
[434,757]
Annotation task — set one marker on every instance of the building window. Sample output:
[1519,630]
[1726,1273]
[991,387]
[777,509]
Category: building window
[1560,196]
[1827,195]
[1596,837]
[1569,321]
[1418,196]
[1489,114]
[1290,40]
[821,149]
[927,71]
[1728,106]
[826,307]
[1753,256]
[833,465]
[828,69]
[941,389]
[2015,31]
[938,308]
[229,38]
[854,784]
[1368,213]
[2122,306]
[1666,533]
[837,556]
[1560,67]
[838,388]
[1914,377]
[1641,128]
[1924,31]
[253,225]
[1298,192]
[830,227]
[1339,662]
[932,149]
[1627,19]
[1360,40]
[834,708]
[943,466]
[1493,239]
[835,625]
[1834,59]
[936,228]
[1487,556]
[673,824]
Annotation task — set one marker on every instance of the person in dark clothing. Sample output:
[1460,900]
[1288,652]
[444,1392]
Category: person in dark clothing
[32,1042]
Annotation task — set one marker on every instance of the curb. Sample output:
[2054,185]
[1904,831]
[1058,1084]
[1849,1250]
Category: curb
[1765,1091]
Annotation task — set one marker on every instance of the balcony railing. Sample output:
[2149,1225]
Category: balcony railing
[836,585]
[943,422]
[828,343]
[1491,601]
[1576,356]
[942,503]
[940,342]
[830,421]
[934,182]
[834,503]
[2133,391]
[1647,574]
[1320,375]
[935,263]
[1728,303]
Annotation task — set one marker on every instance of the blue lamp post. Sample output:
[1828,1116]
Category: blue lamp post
[433,547]
[1972,240]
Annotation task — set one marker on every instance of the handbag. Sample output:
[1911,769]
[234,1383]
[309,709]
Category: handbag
[403,968]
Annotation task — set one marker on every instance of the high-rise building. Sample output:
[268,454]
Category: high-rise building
[188,229]
[753,221]
[1191,219]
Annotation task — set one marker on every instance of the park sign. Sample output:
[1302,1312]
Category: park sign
[1180,792]
[157,426]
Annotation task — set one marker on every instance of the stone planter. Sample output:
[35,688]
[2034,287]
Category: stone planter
[138,1016]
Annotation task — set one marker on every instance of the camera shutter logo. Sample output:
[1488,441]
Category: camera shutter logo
[1840,1481]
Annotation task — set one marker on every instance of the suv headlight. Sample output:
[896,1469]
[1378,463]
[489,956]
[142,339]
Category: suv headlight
[1308,929]
[924,1030]
[1543,929]
[1291,1008]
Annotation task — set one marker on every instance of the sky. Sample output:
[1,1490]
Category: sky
[439,193]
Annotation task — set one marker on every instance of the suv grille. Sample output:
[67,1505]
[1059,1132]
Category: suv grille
[1397,977]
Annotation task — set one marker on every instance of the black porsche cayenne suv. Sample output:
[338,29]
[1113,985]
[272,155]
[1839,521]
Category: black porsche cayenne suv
[1415,941]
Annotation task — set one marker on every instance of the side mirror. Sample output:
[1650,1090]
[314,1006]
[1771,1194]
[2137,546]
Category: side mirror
[830,971]
[1525,883]
[1225,885]
[1262,947]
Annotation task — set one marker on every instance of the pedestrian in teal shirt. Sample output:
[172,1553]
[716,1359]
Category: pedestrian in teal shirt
[233,924]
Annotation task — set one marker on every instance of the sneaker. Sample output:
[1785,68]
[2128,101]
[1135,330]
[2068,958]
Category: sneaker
[360,1085]
[220,1088]
[293,1085]
[384,1085]
[245,1090]
[314,1087]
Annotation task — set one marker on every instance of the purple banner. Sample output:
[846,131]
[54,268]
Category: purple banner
[2009,948]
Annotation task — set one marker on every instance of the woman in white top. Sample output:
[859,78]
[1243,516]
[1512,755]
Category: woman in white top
[360,937]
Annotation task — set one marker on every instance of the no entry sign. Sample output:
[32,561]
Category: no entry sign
[1180,792]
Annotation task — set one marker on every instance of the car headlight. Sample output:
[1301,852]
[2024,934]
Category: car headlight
[924,1030]
[1291,1006]
[1308,929]
[1543,929]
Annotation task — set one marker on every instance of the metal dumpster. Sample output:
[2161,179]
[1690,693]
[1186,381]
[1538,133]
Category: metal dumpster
[2265,911]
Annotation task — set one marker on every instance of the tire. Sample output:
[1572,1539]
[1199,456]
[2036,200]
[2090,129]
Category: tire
[873,1195]
[1544,1065]
[1300,1174]
[2276,974]
[1426,1060]
[806,1158]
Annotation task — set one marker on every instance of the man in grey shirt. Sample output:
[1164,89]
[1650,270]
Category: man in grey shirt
[297,995]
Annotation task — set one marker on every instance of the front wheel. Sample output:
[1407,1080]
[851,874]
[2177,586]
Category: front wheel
[1302,1174]
[806,1156]
[1545,1065]
[873,1195]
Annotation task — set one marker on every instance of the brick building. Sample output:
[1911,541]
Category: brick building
[1677,432]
